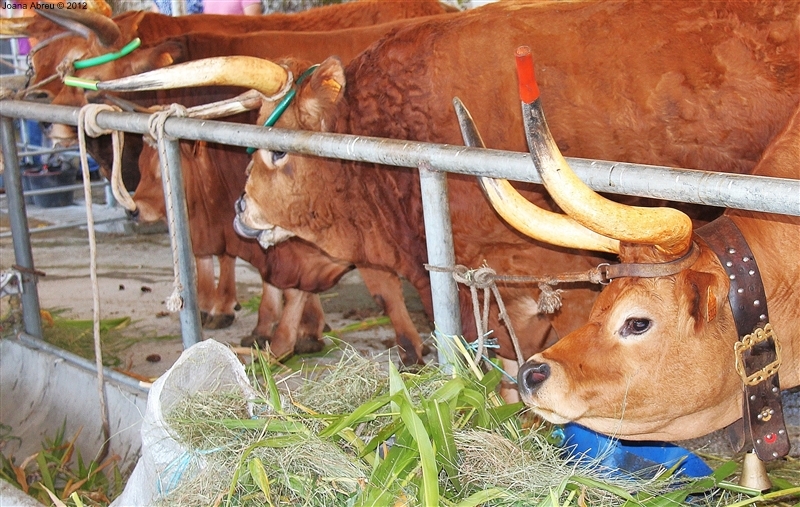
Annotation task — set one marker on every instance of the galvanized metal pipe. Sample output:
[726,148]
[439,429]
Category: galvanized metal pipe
[19,229]
[174,194]
[439,239]
[756,193]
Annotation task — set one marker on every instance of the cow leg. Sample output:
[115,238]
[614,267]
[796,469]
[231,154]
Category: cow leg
[225,295]
[387,290]
[205,286]
[269,312]
[312,323]
[285,338]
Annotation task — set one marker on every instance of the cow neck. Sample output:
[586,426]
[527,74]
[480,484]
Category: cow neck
[757,351]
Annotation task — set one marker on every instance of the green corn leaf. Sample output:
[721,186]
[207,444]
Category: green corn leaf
[358,415]
[440,424]
[430,472]
[47,478]
[476,400]
[482,497]
[259,475]
[449,391]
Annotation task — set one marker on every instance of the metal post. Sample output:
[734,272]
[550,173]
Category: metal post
[191,331]
[439,239]
[19,230]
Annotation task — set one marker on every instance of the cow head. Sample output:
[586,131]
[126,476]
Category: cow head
[655,359]
[275,177]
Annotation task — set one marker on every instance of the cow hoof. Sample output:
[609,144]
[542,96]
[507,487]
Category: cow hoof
[204,317]
[219,321]
[255,340]
[327,328]
[426,349]
[308,345]
[237,307]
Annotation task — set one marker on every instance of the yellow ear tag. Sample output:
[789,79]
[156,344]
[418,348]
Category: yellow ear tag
[332,84]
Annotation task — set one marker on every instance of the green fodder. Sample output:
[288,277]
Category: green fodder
[353,434]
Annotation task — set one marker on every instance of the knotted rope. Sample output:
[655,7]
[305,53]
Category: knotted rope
[87,124]
[486,278]
[155,128]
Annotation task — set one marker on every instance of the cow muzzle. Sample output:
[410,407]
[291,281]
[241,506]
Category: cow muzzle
[531,377]
[267,235]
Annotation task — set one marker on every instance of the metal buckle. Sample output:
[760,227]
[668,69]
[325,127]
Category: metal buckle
[749,341]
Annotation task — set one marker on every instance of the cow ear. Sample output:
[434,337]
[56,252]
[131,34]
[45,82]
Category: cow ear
[162,55]
[702,298]
[321,95]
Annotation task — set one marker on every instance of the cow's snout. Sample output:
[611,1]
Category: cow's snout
[531,376]
[240,204]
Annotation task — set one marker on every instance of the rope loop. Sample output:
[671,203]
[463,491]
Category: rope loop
[87,124]
[155,128]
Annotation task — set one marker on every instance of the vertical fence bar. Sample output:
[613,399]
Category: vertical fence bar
[23,256]
[439,239]
[191,331]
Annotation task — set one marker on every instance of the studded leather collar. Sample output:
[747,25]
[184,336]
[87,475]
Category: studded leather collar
[757,353]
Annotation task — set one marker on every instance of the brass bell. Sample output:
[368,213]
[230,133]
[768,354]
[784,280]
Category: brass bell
[754,473]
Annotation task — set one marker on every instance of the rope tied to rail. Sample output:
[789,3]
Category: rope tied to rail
[156,130]
[483,278]
[87,122]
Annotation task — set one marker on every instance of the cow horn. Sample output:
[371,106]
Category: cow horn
[15,27]
[522,214]
[84,23]
[666,228]
[245,71]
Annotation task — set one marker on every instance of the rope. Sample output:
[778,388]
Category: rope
[117,141]
[87,111]
[484,278]
[155,128]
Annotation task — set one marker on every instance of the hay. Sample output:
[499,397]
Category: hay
[339,425]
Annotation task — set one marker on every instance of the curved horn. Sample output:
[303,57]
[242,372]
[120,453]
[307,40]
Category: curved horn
[523,215]
[84,23]
[246,71]
[666,228]
[15,27]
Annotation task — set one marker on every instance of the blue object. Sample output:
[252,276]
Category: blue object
[635,458]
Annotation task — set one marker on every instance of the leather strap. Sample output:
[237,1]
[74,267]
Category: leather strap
[757,354]
[649,270]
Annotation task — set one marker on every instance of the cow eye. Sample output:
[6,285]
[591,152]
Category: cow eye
[277,155]
[635,326]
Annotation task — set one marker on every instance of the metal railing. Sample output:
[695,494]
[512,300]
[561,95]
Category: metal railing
[756,193]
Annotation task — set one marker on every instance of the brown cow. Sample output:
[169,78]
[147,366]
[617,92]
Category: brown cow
[226,166]
[656,359]
[109,35]
[703,85]
[212,234]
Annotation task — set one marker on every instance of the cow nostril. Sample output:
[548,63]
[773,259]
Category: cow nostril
[240,205]
[531,376]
